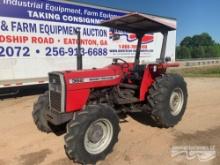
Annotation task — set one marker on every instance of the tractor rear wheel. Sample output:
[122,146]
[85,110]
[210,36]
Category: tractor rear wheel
[167,99]
[91,134]
[39,113]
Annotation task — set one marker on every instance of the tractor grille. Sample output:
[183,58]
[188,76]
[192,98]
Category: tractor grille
[54,79]
[56,90]
[55,101]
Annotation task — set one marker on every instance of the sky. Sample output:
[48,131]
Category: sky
[193,16]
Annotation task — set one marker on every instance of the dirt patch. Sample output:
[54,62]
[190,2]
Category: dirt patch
[128,159]
[2,162]
[209,137]
[63,161]
[201,138]
[34,158]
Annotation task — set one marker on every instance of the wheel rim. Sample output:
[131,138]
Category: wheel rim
[98,136]
[176,101]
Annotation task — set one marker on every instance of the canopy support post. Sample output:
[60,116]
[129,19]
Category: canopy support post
[138,49]
[164,44]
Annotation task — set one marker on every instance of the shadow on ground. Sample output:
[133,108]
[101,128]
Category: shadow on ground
[34,158]
[143,118]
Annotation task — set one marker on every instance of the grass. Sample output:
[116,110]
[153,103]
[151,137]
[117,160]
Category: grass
[205,71]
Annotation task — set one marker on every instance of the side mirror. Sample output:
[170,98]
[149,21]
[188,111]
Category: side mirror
[167,59]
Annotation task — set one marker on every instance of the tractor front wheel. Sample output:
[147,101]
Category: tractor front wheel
[167,99]
[39,113]
[91,134]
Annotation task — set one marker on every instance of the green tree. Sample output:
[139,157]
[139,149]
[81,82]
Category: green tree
[198,46]
[183,52]
[212,51]
[218,49]
[203,39]
[198,52]
[187,41]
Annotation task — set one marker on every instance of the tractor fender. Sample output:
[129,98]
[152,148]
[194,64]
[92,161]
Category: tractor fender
[146,82]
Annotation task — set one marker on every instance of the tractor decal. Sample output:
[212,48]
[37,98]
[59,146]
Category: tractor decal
[92,79]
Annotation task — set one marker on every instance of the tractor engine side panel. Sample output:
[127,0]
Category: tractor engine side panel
[75,100]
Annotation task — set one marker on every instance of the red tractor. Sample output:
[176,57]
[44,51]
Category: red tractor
[86,104]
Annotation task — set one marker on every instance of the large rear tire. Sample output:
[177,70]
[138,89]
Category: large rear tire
[167,99]
[39,113]
[91,134]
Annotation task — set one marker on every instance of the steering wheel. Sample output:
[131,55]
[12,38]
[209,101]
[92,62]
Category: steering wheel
[115,61]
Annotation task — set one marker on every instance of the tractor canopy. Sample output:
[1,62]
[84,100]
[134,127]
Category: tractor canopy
[140,23]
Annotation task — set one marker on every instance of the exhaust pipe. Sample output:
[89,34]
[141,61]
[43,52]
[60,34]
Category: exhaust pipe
[79,55]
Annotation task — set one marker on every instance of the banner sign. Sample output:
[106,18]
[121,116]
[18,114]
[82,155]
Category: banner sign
[37,28]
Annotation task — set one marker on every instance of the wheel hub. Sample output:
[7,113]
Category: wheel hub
[95,133]
[98,136]
[176,101]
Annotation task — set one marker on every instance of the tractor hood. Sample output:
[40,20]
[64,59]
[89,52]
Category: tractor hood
[93,78]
